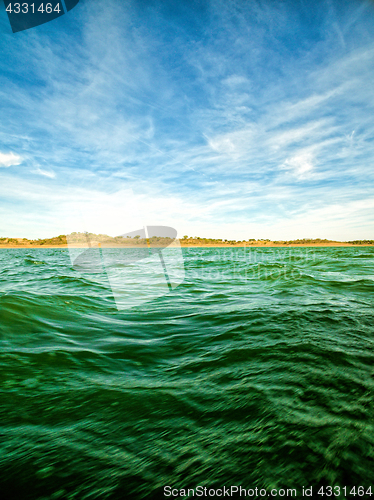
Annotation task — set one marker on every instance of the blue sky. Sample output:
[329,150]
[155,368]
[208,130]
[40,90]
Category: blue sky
[227,119]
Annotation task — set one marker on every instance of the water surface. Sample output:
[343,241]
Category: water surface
[256,371]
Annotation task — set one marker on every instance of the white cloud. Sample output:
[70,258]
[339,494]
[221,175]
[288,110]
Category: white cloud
[9,159]
[301,164]
[39,171]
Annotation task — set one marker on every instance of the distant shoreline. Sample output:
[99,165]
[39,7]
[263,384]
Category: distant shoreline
[239,245]
[86,240]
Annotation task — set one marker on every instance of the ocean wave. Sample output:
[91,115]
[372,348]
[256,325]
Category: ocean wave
[231,377]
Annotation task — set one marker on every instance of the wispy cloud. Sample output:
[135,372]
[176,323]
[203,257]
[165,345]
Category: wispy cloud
[45,173]
[301,164]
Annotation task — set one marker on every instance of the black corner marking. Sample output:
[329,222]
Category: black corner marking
[24,15]
[70,4]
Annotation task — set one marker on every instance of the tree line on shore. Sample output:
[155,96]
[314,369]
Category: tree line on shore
[196,240]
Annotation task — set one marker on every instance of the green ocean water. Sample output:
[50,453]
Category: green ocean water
[256,371]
